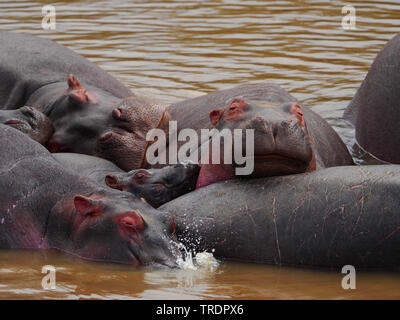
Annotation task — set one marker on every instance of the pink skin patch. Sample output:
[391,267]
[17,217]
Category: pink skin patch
[297,111]
[53,146]
[78,92]
[212,173]
[130,225]
[11,122]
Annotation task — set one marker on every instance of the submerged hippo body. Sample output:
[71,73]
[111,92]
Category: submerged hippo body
[44,206]
[328,218]
[91,111]
[155,186]
[375,108]
[287,138]
[30,121]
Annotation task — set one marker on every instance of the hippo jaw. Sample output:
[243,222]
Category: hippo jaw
[278,165]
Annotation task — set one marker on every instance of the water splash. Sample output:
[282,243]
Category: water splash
[204,261]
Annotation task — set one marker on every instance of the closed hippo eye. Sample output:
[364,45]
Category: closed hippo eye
[141,177]
[236,109]
[28,111]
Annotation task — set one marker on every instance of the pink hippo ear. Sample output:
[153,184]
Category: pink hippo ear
[77,92]
[86,206]
[297,111]
[215,116]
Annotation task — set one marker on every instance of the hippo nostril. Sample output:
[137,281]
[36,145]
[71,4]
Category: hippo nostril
[274,134]
[117,113]
[106,136]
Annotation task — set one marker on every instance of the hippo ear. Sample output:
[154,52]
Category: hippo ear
[85,205]
[77,92]
[73,83]
[215,116]
[297,111]
[112,182]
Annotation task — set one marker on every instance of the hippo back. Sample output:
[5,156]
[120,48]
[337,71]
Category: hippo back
[375,108]
[29,174]
[28,63]
[326,218]
[25,167]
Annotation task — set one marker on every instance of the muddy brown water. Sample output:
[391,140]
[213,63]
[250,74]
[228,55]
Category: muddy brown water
[173,50]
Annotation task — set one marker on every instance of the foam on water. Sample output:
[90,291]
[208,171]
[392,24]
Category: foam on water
[201,261]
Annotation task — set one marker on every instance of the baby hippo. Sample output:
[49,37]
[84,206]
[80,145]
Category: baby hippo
[29,121]
[155,186]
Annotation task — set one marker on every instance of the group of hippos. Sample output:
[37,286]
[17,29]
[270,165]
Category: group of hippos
[74,174]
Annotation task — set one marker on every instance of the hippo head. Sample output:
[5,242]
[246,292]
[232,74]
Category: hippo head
[157,186]
[112,226]
[125,142]
[90,121]
[29,121]
[282,144]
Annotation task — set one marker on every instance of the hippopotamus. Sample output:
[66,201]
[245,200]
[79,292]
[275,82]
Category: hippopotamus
[30,121]
[327,218]
[83,101]
[44,206]
[155,186]
[375,109]
[288,138]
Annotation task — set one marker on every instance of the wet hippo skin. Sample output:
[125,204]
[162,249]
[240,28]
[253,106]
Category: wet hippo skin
[375,108]
[327,218]
[45,206]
